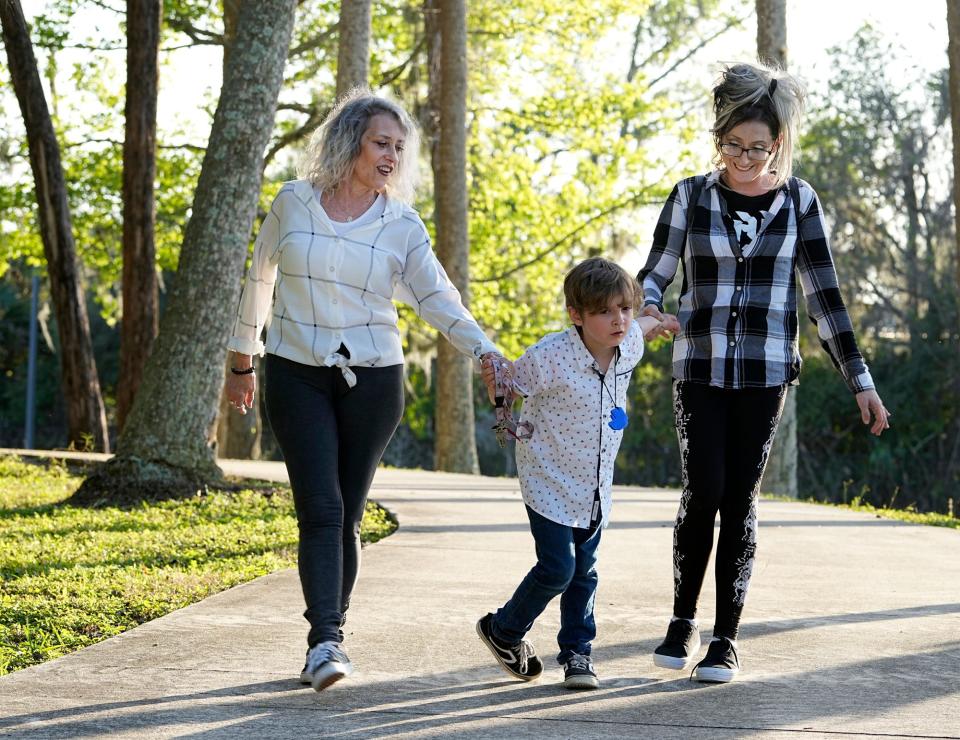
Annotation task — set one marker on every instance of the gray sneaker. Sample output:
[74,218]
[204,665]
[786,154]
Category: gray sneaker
[578,673]
[326,664]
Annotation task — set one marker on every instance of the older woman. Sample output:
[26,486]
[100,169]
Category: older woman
[332,253]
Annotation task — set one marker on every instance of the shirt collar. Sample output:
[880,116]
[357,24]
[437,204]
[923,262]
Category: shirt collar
[303,189]
[581,355]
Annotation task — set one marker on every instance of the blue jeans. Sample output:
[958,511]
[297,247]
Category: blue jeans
[566,564]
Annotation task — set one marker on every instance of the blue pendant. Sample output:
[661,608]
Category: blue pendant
[618,418]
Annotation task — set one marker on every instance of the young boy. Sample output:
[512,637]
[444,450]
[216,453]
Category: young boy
[575,386]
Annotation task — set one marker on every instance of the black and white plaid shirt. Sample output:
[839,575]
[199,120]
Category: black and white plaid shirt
[738,310]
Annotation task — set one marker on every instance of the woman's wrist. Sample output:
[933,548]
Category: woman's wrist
[241,364]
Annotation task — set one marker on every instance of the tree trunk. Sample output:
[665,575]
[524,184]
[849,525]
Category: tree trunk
[353,55]
[86,417]
[238,435]
[781,472]
[141,301]
[953,54]
[231,13]
[455,447]
[772,32]
[167,447]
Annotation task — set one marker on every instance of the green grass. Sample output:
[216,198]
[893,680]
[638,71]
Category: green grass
[905,515]
[72,576]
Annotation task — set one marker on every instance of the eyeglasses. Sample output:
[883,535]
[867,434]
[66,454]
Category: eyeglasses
[735,150]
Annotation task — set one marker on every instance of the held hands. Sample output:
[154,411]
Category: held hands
[870,403]
[668,323]
[488,373]
[240,389]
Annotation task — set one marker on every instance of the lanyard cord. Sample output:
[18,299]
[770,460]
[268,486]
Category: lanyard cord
[613,398]
[603,386]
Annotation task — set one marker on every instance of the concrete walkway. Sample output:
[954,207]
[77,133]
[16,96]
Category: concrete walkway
[852,629]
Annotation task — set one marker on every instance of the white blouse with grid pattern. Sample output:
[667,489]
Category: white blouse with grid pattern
[332,290]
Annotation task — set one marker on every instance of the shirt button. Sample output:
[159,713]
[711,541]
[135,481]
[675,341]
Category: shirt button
[334,301]
[733,313]
[732,343]
[739,288]
[331,268]
[739,259]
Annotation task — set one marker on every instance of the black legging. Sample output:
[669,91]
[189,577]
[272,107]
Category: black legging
[332,437]
[725,437]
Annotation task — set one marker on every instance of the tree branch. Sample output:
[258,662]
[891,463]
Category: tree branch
[392,74]
[703,42]
[99,4]
[91,47]
[114,142]
[636,199]
[314,119]
[314,42]
[198,35]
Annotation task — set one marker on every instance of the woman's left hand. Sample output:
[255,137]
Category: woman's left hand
[488,373]
[870,403]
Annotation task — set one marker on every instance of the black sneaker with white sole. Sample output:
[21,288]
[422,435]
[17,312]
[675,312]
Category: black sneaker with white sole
[679,647]
[578,673]
[326,664]
[721,664]
[519,660]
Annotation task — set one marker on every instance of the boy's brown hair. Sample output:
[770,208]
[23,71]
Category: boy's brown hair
[594,282]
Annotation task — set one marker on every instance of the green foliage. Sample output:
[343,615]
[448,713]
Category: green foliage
[73,576]
[876,153]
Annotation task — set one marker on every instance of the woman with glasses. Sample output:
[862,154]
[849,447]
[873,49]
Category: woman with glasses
[740,233]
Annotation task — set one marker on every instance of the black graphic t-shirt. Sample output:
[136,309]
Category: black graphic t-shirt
[746,212]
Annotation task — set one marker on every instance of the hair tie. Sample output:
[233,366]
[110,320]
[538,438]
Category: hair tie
[773,88]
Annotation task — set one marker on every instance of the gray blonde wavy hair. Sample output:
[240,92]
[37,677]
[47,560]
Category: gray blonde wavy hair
[333,149]
[757,92]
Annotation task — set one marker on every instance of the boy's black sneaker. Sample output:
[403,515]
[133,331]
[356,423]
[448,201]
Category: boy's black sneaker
[519,660]
[679,647]
[721,663]
[578,673]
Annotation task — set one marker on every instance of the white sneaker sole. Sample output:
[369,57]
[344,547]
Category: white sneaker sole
[328,674]
[715,675]
[581,682]
[677,664]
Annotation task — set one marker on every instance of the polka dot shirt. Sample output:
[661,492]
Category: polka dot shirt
[569,405]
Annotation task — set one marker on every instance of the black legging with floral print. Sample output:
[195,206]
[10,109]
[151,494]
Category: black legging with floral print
[725,436]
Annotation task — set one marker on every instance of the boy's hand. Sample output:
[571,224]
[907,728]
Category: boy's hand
[651,310]
[488,373]
[655,323]
[669,325]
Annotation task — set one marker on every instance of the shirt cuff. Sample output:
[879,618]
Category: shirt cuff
[246,346]
[861,382]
